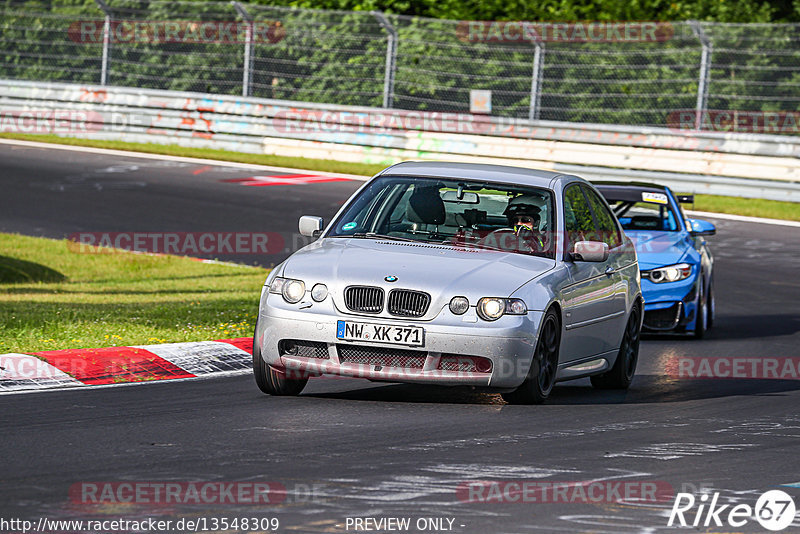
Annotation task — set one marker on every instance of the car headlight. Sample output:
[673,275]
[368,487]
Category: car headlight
[459,305]
[670,273]
[277,285]
[291,290]
[492,308]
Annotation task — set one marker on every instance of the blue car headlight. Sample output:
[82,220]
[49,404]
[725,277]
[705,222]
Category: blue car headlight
[670,273]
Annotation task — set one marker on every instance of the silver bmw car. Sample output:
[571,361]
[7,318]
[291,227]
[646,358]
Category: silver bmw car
[504,278]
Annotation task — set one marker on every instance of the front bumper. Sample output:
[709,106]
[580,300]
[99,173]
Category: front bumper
[450,344]
[670,306]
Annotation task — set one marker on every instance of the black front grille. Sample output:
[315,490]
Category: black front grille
[663,319]
[464,364]
[304,349]
[407,303]
[381,356]
[364,299]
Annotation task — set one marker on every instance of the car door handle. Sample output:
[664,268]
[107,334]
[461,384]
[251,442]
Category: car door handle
[610,270]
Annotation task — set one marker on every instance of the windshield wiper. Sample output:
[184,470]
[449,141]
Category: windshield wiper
[489,247]
[373,235]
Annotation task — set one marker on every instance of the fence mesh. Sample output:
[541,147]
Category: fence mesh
[339,57]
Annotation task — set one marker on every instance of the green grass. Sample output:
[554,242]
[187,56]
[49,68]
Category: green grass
[67,299]
[738,206]
[752,207]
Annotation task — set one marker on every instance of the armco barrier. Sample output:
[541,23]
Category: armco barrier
[748,165]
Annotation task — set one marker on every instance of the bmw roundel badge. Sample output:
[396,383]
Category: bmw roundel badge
[391,278]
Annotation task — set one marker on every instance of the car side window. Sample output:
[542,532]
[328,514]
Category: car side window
[606,225]
[579,225]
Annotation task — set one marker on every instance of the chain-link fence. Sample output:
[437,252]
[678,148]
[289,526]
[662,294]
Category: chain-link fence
[641,74]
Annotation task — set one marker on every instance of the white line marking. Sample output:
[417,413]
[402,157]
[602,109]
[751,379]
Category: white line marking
[162,157]
[742,218]
[218,163]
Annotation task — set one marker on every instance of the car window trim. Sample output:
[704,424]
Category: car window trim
[614,219]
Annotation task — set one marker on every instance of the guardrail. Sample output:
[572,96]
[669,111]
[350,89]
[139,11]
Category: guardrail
[747,165]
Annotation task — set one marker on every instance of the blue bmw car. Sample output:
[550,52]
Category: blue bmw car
[674,258]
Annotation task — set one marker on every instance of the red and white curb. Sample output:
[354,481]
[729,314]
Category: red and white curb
[123,365]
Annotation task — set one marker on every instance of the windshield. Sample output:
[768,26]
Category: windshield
[461,213]
[645,215]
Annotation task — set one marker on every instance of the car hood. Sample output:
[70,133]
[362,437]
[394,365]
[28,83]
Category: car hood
[657,249]
[441,271]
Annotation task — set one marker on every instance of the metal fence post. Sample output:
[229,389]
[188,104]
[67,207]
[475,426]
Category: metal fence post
[247,70]
[106,41]
[391,59]
[705,73]
[536,81]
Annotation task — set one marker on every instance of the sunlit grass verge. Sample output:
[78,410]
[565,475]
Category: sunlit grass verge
[119,298]
[752,207]
[771,209]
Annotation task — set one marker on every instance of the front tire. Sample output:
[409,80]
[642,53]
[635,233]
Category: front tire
[711,303]
[621,375]
[269,380]
[701,320]
[542,374]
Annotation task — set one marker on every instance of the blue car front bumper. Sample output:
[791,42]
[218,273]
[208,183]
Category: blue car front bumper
[670,306]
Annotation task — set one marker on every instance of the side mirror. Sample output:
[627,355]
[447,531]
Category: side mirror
[700,227]
[310,226]
[595,251]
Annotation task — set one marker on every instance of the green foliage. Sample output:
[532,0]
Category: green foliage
[338,57]
[561,10]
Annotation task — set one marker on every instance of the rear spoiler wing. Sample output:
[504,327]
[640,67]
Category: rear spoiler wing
[685,199]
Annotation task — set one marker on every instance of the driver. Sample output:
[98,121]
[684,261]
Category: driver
[524,215]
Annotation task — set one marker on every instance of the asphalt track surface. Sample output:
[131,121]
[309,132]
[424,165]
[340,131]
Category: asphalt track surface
[388,450]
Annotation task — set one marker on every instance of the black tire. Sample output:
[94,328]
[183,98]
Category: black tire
[711,304]
[701,315]
[542,374]
[273,382]
[621,375]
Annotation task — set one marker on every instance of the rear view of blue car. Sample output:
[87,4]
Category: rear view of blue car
[674,258]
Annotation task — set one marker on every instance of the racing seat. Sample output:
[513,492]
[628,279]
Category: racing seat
[425,206]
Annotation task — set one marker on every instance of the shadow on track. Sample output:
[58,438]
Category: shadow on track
[739,327]
[646,389]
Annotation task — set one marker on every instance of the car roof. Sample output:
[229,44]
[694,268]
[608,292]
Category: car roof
[476,171]
[632,186]
[630,191]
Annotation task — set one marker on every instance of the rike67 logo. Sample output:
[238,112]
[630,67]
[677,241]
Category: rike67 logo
[774,510]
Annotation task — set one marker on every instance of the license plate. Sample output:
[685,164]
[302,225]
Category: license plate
[413,336]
